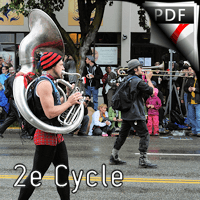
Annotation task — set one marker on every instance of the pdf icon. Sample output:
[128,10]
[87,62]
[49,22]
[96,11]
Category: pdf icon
[177,22]
[174,15]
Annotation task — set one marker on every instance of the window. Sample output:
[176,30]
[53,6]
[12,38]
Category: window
[7,37]
[19,37]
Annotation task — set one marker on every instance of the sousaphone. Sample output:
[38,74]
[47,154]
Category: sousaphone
[44,36]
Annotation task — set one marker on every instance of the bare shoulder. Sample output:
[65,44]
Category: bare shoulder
[44,87]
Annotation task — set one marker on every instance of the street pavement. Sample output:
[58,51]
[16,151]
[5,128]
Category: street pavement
[177,175]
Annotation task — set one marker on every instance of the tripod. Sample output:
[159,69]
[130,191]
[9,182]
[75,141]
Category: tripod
[171,87]
[169,101]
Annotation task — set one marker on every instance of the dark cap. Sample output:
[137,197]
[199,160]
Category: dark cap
[133,64]
[90,57]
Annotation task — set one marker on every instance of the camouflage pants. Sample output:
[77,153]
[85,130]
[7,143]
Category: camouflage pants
[141,130]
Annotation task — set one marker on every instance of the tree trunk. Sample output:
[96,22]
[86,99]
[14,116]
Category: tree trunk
[91,34]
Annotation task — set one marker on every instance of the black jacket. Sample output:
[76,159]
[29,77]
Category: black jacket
[98,74]
[9,86]
[190,82]
[137,88]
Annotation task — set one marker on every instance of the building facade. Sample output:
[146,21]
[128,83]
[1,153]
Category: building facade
[119,39]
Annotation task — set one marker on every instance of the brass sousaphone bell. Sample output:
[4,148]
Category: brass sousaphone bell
[44,36]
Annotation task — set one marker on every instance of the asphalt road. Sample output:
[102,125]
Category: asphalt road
[177,175]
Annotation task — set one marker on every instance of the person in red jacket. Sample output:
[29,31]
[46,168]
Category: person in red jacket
[153,103]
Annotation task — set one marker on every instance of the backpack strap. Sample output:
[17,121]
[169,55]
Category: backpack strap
[47,78]
[132,77]
[56,94]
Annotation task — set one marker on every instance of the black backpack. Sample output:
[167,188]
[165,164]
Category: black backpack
[122,99]
[30,130]
[176,117]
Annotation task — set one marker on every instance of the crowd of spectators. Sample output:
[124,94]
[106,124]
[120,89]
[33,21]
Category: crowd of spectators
[104,120]
[6,71]
[155,105]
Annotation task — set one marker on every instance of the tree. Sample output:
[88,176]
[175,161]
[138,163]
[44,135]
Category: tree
[88,29]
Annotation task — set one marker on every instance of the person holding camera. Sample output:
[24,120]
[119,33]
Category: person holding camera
[88,101]
[93,74]
[112,84]
[84,124]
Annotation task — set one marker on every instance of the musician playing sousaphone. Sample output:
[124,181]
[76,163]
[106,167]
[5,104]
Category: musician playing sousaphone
[50,147]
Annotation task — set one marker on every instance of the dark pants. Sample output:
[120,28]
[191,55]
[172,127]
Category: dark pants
[84,124]
[161,115]
[105,99]
[12,116]
[44,156]
[3,114]
[98,130]
[141,130]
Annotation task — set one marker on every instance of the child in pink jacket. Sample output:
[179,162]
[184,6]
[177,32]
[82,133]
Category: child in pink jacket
[153,104]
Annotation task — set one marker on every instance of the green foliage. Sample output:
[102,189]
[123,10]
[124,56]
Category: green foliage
[142,19]
[24,7]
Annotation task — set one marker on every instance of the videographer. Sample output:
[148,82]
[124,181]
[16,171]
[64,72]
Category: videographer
[88,101]
[112,84]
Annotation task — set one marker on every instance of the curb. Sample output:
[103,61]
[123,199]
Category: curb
[13,128]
